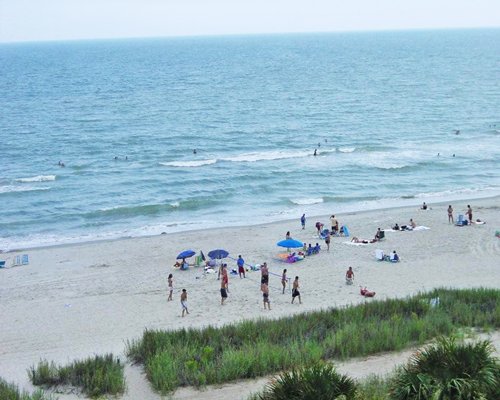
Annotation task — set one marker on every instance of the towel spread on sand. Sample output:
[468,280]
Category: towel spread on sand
[417,228]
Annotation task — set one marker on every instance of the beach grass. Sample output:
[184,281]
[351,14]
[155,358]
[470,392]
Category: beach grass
[95,376]
[259,347]
[10,391]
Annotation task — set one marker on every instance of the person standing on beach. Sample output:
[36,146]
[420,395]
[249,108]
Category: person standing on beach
[241,266]
[469,213]
[334,223]
[450,214]
[264,273]
[303,221]
[327,241]
[295,290]
[184,302]
[349,276]
[283,280]
[288,235]
[225,277]
[265,294]
[170,286]
[223,292]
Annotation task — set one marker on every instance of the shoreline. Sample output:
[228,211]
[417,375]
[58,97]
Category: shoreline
[324,217]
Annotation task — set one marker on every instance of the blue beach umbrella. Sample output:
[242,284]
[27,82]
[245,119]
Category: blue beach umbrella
[290,243]
[186,254]
[218,254]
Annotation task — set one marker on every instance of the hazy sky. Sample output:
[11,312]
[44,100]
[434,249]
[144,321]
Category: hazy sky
[33,20]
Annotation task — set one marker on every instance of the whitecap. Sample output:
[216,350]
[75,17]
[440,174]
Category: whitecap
[267,156]
[175,204]
[307,201]
[188,164]
[13,189]
[38,178]
[347,149]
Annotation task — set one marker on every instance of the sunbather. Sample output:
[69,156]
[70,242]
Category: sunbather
[356,240]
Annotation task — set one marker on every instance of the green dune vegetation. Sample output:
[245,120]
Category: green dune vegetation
[260,347]
[446,370]
[10,391]
[95,376]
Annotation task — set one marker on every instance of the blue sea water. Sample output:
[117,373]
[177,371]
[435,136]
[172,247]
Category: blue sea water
[378,107]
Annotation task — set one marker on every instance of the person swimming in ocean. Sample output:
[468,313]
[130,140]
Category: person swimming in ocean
[194,151]
[457,131]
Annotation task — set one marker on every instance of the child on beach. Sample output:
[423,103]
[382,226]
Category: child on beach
[327,241]
[241,266]
[349,276]
[170,286]
[184,304]
[295,290]
[283,280]
[265,294]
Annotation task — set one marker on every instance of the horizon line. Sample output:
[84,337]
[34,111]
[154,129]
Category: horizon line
[215,35]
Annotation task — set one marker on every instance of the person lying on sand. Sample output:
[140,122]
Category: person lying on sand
[356,240]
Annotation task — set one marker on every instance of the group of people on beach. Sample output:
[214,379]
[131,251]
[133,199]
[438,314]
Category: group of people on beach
[264,281]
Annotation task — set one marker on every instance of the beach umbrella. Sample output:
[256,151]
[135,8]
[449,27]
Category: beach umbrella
[218,254]
[186,254]
[290,243]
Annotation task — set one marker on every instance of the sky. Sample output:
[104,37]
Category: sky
[40,20]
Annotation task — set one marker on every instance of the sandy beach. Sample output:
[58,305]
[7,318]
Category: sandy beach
[75,301]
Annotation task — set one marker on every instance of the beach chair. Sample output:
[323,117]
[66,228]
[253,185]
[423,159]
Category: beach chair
[16,261]
[381,235]
[2,264]
[344,231]
[25,259]
[379,255]
[198,261]
[461,221]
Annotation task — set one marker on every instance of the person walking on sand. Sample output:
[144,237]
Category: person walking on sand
[264,271]
[295,290]
[349,276]
[223,292]
[170,287]
[327,241]
[265,294]
[225,277]
[303,221]
[450,214]
[469,213]
[184,302]
[241,266]
[283,280]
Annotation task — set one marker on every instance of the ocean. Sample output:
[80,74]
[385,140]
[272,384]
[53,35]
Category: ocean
[381,109]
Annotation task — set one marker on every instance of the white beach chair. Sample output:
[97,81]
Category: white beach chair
[16,261]
[379,255]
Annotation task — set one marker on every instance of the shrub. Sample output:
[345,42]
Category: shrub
[96,376]
[450,371]
[320,381]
